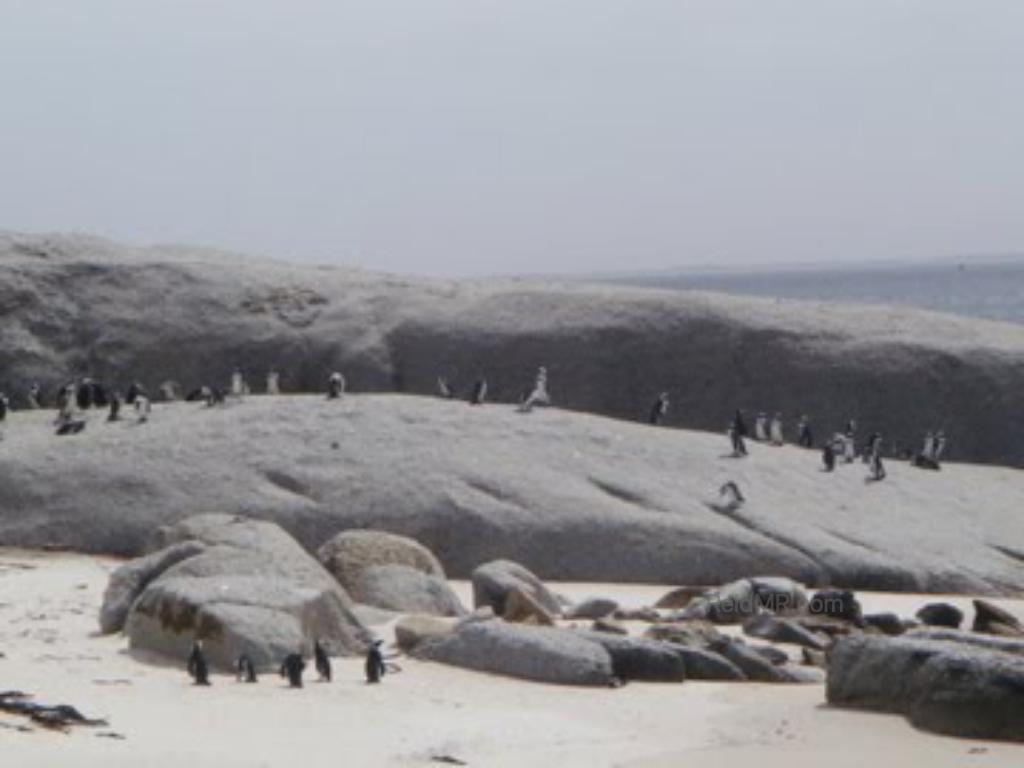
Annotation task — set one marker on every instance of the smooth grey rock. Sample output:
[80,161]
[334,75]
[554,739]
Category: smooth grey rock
[781,630]
[753,664]
[702,664]
[493,581]
[637,658]
[542,654]
[348,554]
[252,589]
[127,582]
[410,631]
[593,608]
[408,590]
[940,615]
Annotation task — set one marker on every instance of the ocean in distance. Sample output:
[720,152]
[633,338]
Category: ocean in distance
[994,291]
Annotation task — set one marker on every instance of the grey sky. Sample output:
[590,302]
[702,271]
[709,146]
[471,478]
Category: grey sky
[478,136]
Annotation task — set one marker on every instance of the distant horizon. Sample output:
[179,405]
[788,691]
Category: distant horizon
[467,139]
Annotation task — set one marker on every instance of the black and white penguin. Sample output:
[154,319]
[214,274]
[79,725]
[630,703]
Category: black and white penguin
[479,393]
[198,669]
[805,436]
[322,662]
[5,405]
[245,670]
[335,386]
[375,667]
[443,389]
[659,409]
[292,667]
[828,456]
[115,407]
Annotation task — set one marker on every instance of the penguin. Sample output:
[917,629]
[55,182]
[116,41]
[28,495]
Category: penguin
[877,468]
[739,423]
[761,428]
[828,457]
[214,396]
[198,669]
[739,449]
[115,407]
[375,667]
[940,446]
[806,438]
[928,451]
[479,393]
[100,396]
[142,408]
[322,661]
[775,430]
[245,670]
[4,405]
[335,386]
[659,409]
[273,383]
[238,387]
[729,499]
[34,397]
[292,667]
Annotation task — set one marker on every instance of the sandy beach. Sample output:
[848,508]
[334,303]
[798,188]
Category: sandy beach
[426,713]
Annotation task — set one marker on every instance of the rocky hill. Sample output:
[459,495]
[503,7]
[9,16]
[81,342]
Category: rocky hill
[572,496]
[74,305]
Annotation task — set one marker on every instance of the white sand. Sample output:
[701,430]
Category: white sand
[48,604]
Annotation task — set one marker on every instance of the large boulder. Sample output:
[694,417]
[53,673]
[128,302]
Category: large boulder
[408,590]
[754,665]
[251,589]
[127,582]
[950,687]
[350,553]
[542,654]
[637,658]
[493,581]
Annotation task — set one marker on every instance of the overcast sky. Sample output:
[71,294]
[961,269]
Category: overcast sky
[484,136]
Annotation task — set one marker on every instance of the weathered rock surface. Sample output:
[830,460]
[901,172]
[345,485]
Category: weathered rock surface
[956,688]
[702,664]
[410,631]
[128,581]
[521,607]
[350,553]
[494,581]
[542,654]
[250,589]
[553,490]
[781,630]
[940,615]
[593,608]
[408,590]
[637,658]
[994,620]
[736,601]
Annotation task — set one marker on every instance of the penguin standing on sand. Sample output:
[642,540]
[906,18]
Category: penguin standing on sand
[197,666]
[4,406]
[273,383]
[322,661]
[443,389]
[245,670]
[775,430]
[739,423]
[374,663]
[940,446]
[34,397]
[292,667]
[928,451]
[877,468]
[659,409]
[142,408]
[238,388]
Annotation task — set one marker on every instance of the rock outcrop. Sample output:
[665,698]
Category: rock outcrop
[542,654]
[408,590]
[348,555]
[248,588]
[956,688]
[569,496]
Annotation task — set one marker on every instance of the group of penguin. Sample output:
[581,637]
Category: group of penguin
[292,667]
